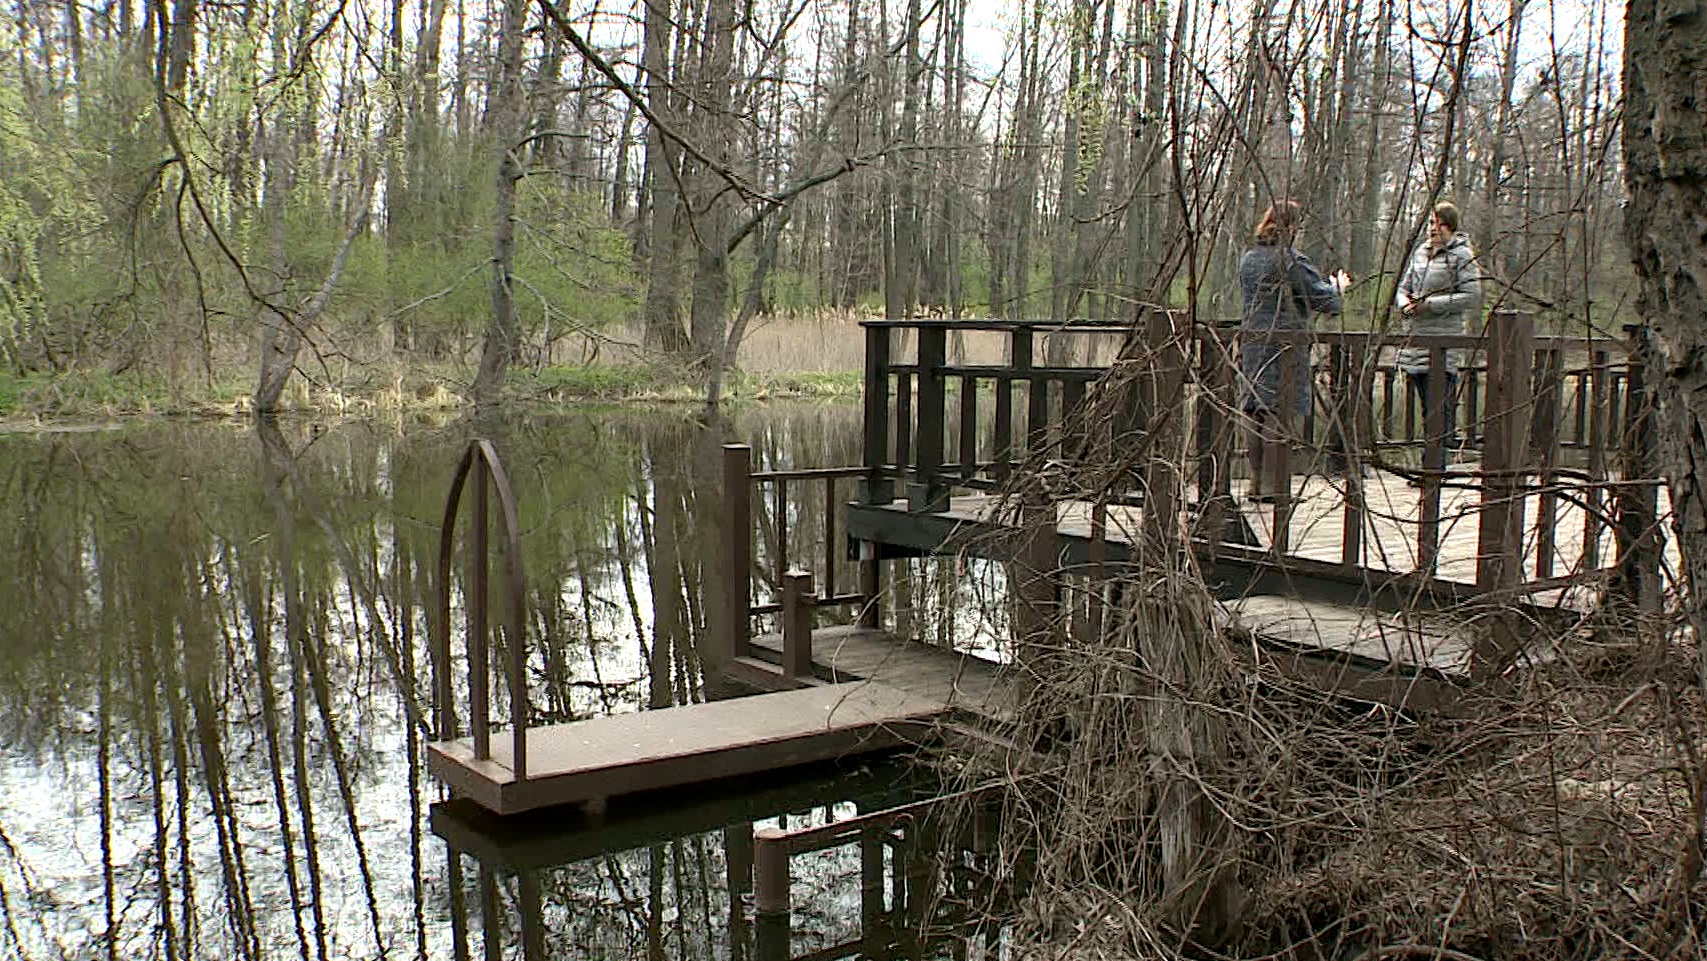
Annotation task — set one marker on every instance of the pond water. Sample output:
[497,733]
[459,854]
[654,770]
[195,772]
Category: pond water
[215,694]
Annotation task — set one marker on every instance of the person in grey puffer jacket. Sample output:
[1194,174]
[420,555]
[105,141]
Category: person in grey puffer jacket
[1439,292]
[1279,289]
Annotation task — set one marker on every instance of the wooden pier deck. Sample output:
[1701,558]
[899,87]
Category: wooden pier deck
[846,654]
[1367,587]
[622,754]
[1388,543]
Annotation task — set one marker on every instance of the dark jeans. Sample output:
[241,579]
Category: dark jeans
[1419,387]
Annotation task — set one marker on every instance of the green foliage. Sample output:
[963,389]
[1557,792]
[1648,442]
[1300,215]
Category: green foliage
[46,207]
[576,268]
[100,393]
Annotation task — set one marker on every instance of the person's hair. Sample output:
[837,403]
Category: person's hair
[1447,213]
[1279,223]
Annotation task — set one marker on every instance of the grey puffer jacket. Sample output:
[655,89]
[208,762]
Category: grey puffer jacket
[1447,283]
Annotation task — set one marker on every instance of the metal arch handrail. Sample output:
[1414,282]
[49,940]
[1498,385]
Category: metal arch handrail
[491,474]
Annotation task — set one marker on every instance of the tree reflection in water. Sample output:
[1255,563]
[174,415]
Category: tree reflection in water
[214,703]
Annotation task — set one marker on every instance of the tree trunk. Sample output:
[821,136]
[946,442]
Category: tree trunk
[661,315]
[1665,158]
[1665,163]
[709,312]
[505,118]
[1363,255]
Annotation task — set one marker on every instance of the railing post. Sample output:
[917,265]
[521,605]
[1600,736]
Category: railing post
[1499,561]
[737,545]
[1357,428]
[928,492]
[968,427]
[1341,392]
[798,603]
[1637,500]
[1277,444]
[481,460]
[1433,461]
[1037,394]
[1213,455]
[771,896]
[1034,598]
[1544,450]
[1162,386]
[515,612]
[1003,418]
[879,489]
[1596,438]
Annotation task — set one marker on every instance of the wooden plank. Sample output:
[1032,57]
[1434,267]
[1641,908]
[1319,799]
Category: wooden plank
[671,747]
[1405,641]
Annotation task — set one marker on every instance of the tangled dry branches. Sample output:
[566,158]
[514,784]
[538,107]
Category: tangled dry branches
[1195,803]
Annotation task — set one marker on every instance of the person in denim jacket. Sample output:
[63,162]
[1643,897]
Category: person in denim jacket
[1439,291]
[1279,290]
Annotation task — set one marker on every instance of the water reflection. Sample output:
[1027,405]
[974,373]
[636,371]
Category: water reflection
[865,869]
[215,698]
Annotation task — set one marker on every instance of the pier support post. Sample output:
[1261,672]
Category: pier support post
[738,868]
[870,585]
[874,927]
[798,602]
[771,898]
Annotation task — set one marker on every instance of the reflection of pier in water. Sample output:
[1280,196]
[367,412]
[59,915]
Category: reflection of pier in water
[879,826]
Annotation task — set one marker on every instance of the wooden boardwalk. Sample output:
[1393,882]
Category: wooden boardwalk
[1389,541]
[671,747]
[955,680]
[1368,587]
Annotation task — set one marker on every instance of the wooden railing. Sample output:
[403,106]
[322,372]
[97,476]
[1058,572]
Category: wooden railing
[1525,402]
[800,591]
[911,431]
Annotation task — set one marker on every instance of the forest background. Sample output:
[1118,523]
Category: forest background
[276,203]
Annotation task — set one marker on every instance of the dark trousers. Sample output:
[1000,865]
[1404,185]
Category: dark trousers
[1419,388]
